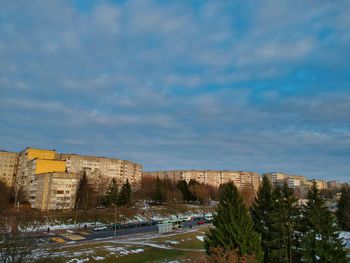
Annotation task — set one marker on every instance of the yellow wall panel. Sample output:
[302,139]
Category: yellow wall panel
[46,166]
[40,154]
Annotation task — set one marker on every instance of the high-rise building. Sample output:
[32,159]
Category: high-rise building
[32,162]
[8,167]
[293,181]
[212,177]
[103,167]
[55,191]
[334,184]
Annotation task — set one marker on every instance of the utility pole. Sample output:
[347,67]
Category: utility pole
[76,214]
[115,220]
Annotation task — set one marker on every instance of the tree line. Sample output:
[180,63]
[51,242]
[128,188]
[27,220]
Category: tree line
[275,228]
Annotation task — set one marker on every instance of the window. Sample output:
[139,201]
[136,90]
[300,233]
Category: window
[59,192]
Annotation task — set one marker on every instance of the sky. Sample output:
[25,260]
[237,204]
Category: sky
[241,85]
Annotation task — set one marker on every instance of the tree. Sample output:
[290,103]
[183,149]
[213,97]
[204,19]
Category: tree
[186,193]
[83,192]
[234,229]
[112,192]
[261,213]
[247,194]
[158,195]
[343,212]
[25,246]
[320,241]
[124,197]
[285,218]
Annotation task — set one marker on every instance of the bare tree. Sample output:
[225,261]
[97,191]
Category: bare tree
[21,240]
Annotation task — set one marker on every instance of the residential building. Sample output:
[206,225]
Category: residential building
[32,162]
[320,184]
[334,184]
[55,191]
[8,165]
[212,177]
[103,167]
[293,181]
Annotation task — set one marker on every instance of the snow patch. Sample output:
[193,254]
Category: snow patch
[201,238]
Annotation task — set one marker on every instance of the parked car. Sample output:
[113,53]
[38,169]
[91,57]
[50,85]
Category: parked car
[116,226]
[100,228]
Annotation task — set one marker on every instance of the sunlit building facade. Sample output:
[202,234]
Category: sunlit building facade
[212,177]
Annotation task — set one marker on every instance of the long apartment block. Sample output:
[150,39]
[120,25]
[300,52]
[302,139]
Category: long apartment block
[8,167]
[212,177]
[34,170]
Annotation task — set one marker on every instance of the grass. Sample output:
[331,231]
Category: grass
[99,250]
[185,240]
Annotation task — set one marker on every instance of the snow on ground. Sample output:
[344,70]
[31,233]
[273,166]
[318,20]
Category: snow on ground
[173,242]
[201,238]
[346,237]
[97,258]
[76,260]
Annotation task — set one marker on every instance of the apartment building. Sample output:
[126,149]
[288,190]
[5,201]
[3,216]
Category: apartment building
[293,181]
[97,167]
[334,184]
[55,191]
[320,184]
[32,162]
[212,177]
[8,167]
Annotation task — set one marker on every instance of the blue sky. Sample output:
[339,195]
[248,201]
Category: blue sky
[243,85]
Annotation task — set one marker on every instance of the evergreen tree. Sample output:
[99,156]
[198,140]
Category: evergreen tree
[320,241]
[124,197]
[284,235]
[343,212]
[183,187]
[234,229]
[158,195]
[82,199]
[261,213]
[112,192]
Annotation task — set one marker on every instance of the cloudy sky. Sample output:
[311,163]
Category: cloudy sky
[243,85]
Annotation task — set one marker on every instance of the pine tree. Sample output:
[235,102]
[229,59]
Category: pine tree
[285,217]
[112,192]
[261,213]
[158,195]
[320,241]
[234,229]
[183,187]
[82,199]
[343,212]
[124,197]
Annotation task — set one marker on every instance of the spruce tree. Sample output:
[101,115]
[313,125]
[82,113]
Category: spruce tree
[158,195]
[261,213]
[234,229]
[320,241]
[112,192]
[82,199]
[343,212]
[284,235]
[124,197]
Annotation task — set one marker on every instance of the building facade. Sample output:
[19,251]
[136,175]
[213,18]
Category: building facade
[106,168]
[8,167]
[212,177]
[293,181]
[32,162]
[55,191]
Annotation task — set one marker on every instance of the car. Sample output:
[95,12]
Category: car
[101,228]
[116,226]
